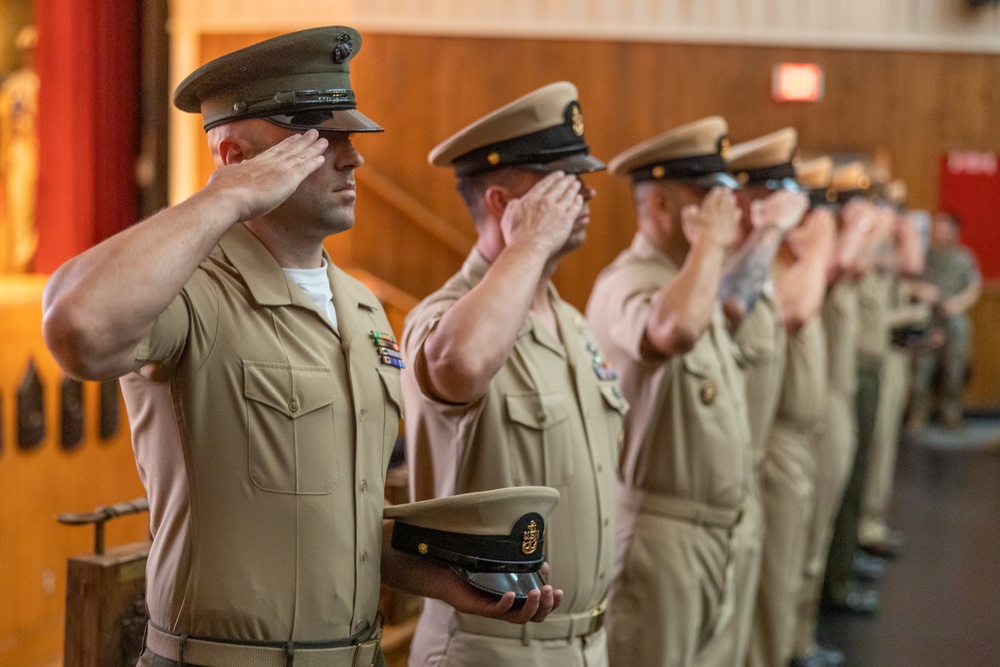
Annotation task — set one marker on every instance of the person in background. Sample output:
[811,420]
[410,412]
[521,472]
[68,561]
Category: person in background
[771,206]
[687,463]
[903,261]
[836,438]
[951,285]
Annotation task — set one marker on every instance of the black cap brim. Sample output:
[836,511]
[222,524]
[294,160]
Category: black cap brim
[333,120]
[574,164]
[709,181]
[498,583]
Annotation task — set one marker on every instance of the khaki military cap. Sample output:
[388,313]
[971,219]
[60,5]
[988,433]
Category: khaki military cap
[814,176]
[494,539]
[849,180]
[299,81]
[693,152]
[767,160]
[542,130]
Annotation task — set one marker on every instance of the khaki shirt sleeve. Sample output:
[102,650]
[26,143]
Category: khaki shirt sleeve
[195,310]
[419,324]
[620,309]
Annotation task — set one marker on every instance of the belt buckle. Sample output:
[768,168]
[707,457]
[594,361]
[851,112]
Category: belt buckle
[596,620]
[365,653]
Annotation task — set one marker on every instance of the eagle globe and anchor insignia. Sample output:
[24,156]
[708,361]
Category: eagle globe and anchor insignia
[530,543]
[344,48]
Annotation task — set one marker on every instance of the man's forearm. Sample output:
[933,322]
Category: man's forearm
[744,277]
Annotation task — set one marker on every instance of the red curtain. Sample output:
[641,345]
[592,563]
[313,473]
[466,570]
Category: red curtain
[970,188]
[87,63]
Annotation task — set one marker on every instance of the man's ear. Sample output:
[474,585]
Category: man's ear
[659,202]
[495,201]
[231,151]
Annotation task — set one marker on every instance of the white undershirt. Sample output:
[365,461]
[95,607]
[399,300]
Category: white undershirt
[316,285]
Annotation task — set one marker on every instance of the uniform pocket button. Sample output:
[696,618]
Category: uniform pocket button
[293,405]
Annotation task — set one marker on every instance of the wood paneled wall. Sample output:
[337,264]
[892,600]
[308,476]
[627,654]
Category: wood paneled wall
[983,391]
[936,25]
[37,485]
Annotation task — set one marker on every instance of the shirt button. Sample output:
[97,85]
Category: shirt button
[364,485]
[600,576]
[607,521]
[542,417]
[293,405]
[364,555]
[600,467]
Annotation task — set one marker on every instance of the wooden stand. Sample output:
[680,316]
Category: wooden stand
[105,607]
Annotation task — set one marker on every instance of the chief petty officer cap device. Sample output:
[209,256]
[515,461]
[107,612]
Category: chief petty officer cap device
[297,81]
[768,161]
[494,539]
[541,131]
[694,153]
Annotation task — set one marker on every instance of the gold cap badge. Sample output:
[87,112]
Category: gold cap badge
[530,543]
[576,118]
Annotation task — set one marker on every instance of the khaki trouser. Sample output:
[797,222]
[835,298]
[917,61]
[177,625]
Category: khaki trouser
[885,445]
[736,617]
[787,496]
[673,578]
[833,451]
[439,641]
[843,544]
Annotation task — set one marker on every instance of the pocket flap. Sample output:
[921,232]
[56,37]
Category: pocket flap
[701,361]
[613,396]
[538,411]
[393,390]
[291,390]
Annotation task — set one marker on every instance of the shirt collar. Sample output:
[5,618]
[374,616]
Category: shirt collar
[267,282]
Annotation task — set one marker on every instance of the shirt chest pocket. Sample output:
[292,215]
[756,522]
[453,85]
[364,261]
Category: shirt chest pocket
[541,450]
[290,427]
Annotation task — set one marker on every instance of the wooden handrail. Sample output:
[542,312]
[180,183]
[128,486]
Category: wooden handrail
[415,210]
[384,292]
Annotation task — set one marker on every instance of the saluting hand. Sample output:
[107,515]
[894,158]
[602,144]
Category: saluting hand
[816,236]
[783,209]
[717,219]
[258,185]
[545,214]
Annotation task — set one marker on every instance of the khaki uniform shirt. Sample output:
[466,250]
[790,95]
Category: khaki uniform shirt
[263,442]
[687,433]
[840,321]
[761,337]
[546,419]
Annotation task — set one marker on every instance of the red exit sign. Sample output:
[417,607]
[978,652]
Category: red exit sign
[797,82]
